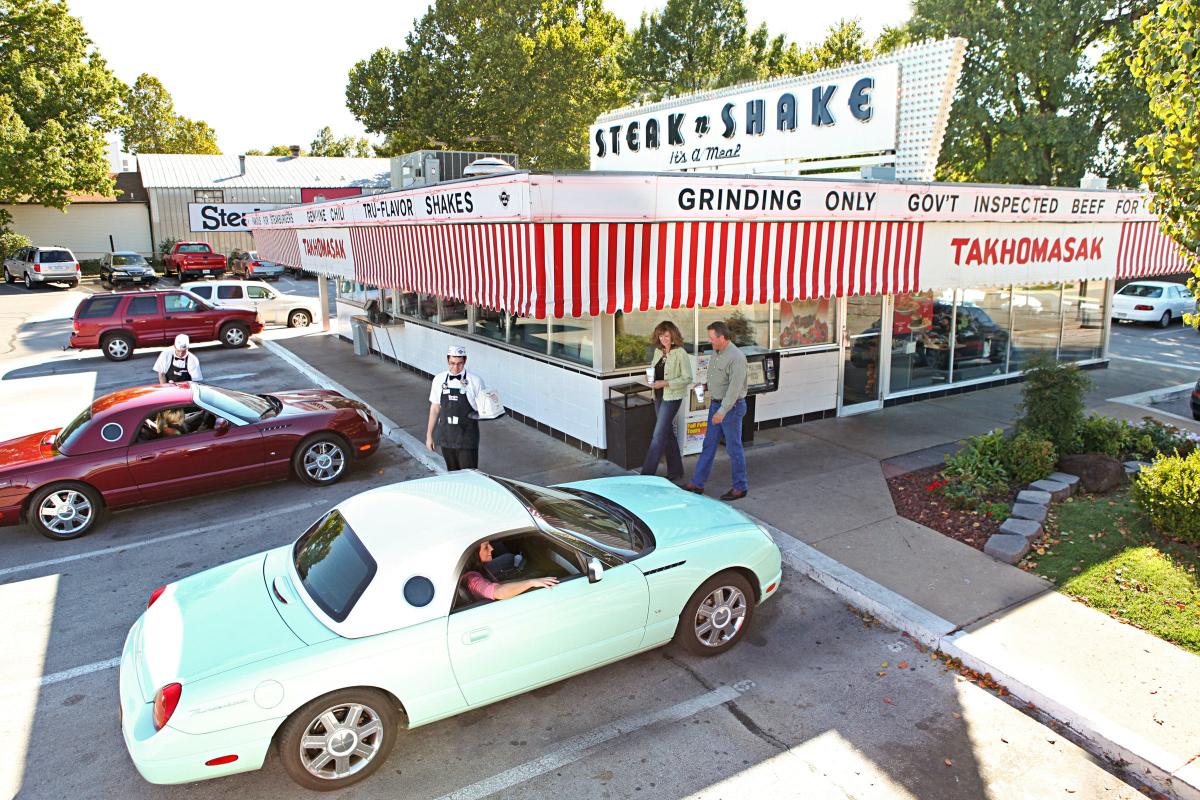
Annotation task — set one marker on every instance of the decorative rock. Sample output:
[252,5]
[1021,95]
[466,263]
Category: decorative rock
[1006,547]
[1030,511]
[1097,472]
[1021,527]
[1064,477]
[1134,467]
[1033,496]
[1058,491]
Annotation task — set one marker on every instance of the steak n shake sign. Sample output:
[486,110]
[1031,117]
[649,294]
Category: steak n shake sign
[326,251]
[829,118]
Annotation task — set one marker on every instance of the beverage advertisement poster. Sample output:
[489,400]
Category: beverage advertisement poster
[693,421]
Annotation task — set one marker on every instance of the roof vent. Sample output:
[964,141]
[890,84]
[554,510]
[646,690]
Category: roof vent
[295,150]
[241,165]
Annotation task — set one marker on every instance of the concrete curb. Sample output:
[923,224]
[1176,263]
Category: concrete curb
[1100,736]
[391,430]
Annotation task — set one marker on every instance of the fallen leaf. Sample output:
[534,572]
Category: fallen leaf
[948,762]
[884,664]
[880,674]
[902,665]
[889,701]
[956,715]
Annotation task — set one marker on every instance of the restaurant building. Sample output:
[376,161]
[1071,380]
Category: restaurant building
[871,292]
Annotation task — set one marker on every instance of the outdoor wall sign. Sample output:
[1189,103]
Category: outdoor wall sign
[220,217]
[327,251]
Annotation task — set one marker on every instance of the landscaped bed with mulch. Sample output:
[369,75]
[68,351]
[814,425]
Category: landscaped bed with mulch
[915,497]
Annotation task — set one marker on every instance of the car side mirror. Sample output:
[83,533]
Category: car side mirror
[221,427]
[595,570]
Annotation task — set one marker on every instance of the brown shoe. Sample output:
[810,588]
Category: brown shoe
[734,494]
[691,487]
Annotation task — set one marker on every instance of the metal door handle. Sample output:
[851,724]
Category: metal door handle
[168,316]
[150,457]
[477,635]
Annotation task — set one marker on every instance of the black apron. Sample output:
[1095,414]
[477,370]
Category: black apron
[178,371]
[456,426]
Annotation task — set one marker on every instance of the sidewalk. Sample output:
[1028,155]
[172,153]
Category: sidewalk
[822,486]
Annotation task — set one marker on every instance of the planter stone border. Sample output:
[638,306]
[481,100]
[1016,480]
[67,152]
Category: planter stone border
[1029,510]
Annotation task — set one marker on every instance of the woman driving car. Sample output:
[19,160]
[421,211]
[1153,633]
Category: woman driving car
[482,588]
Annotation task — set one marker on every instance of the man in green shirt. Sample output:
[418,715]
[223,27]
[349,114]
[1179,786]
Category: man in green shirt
[727,384]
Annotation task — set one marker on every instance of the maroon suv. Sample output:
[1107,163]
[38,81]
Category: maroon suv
[117,323]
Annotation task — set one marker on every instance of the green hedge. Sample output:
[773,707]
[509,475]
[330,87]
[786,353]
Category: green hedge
[1169,492]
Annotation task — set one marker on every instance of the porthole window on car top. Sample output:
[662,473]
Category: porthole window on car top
[111,432]
[418,591]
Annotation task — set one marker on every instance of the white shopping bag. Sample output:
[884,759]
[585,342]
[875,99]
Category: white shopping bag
[488,405]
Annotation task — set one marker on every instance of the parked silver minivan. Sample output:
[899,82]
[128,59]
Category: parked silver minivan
[32,265]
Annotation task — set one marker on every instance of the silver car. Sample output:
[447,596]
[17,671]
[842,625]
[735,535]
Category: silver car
[33,265]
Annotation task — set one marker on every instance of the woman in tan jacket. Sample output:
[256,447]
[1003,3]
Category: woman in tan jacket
[672,377]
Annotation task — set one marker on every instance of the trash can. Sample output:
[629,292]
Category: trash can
[360,330]
[629,423]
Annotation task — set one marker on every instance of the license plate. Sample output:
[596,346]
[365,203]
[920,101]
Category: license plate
[1119,314]
[137,279]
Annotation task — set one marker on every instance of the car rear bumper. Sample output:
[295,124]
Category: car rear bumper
[81,341]
[53,277]
[1129,315]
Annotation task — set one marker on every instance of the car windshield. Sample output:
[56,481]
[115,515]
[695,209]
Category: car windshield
[581,514]
[333,565]
[252,255]
[70,434]
[128,261]
[1141,290]
[238,405]
[194,248]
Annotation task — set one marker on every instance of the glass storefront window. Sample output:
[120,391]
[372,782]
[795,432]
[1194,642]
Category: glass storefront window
[418,306]
[571,339]
[1083,320]
[749,325]
[920,339]
[530,334]
[805,323]
[452,313]
[491,324]
[1036,323]
[632,333]
[982,333]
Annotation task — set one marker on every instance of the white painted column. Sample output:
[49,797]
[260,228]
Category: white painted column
[323,299]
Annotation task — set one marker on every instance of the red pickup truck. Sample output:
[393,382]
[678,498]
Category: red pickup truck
[192,260]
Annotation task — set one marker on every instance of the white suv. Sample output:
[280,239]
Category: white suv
[273,307]
[42,265]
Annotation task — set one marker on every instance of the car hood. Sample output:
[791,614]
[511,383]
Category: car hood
[317,400]
[673,515]
[26,450]
[208,623]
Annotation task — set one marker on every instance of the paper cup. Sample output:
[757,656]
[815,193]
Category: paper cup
[699,390]
[650,375]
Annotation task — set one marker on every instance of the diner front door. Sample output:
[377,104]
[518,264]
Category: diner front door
[861,379]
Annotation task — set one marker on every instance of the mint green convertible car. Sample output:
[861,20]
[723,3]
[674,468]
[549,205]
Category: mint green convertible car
[328,647]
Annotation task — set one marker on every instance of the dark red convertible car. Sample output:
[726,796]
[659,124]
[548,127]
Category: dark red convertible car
[155,443]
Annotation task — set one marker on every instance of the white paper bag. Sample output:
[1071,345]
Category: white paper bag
[488,405]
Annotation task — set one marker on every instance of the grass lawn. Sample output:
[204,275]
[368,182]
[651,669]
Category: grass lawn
[1103,552]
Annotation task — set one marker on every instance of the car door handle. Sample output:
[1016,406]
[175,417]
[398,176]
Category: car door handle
[477,635]
[149,457]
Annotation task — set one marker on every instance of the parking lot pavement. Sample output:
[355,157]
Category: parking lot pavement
[1177,345]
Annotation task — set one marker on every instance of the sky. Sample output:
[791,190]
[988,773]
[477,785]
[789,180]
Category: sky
[267,73]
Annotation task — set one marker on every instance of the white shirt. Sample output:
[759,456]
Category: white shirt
[163,365]
[474,385]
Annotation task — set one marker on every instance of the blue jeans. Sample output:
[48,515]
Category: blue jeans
[730,430]
[664,441]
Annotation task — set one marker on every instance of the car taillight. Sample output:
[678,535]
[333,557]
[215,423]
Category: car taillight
[1143,308]
[255,264]
[166,700]
[77,266]
[37,267]
[157,593]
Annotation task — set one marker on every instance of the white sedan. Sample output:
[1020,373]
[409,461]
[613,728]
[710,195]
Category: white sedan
[1153,301]
[273,306]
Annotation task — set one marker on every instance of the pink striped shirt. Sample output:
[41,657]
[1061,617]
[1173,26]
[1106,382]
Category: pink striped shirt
[479,586]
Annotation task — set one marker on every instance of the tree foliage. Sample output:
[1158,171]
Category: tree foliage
[152,126]
[58,99]
[1045,94]
[326,144]
[1167,64]
[497,75]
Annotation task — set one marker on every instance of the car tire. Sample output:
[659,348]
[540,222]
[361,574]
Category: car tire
[235,334]
[321,460]
[1165,320]
[316,768]
[8,277]
[28,282]
[726,597]
[117,346]
[299,319]
[77,505]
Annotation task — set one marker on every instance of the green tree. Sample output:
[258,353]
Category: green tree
[1167,64]
[1044,96]
[152,126]
[495,75]
[326,144]
[58,99]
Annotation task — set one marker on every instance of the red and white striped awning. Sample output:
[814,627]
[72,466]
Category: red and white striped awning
[1144,251]
[279,245]
[572,269]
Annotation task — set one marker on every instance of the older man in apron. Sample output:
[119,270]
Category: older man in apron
[453,422]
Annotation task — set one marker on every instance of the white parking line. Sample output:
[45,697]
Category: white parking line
[51,562]
[577,747]
[57,677]
[1181,364]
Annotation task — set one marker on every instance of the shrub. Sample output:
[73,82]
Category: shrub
[1169,492]
[1028,457]
[1152,438]
[975,472]
[631,350]
[1052,402]
[1107,435]
[11,242]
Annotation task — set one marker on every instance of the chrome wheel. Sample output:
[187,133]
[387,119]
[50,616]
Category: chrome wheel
[235,336]
[117,348]
[66,512]
[341,741]
[324,461]
[299,319]
[720,616]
